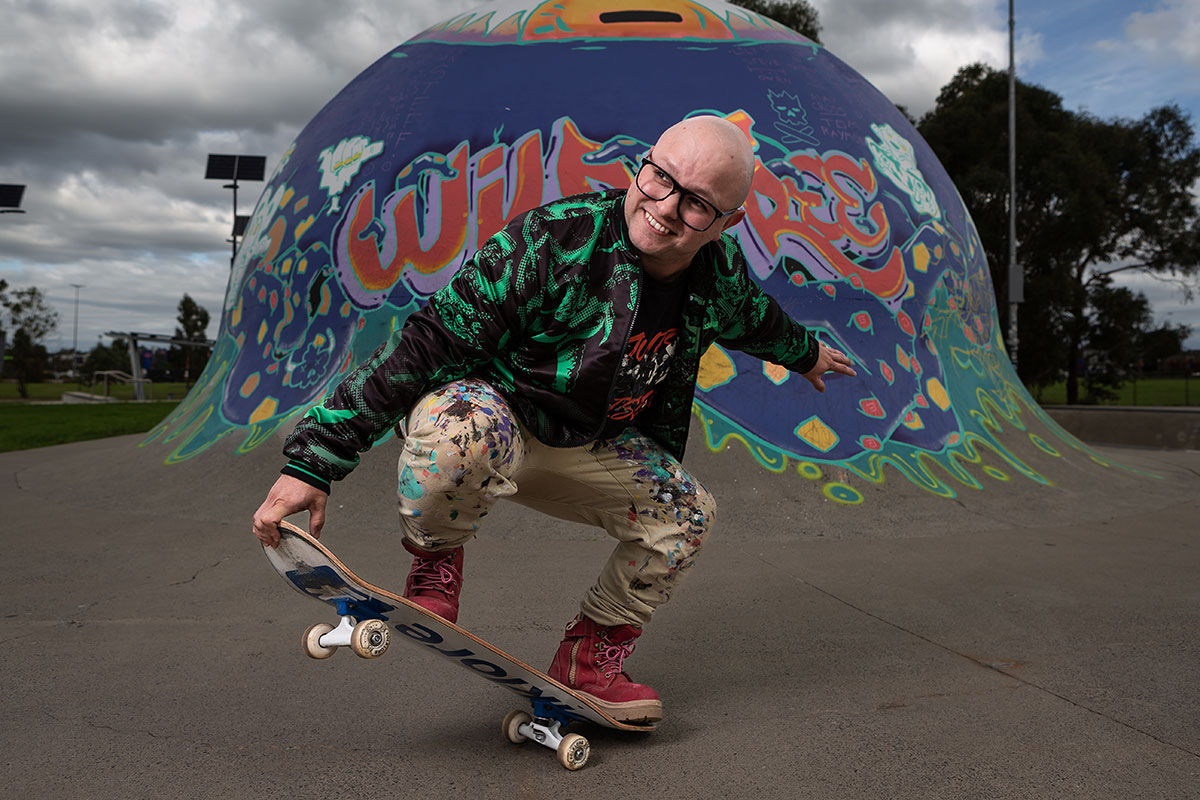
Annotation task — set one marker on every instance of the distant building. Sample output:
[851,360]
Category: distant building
[1185,363]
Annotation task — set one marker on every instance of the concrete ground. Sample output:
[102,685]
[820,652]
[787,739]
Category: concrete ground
[1019,641]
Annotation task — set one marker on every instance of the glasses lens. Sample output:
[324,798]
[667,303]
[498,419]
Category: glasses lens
[653,182]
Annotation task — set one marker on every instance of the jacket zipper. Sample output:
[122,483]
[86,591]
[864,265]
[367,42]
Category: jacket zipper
[612,386]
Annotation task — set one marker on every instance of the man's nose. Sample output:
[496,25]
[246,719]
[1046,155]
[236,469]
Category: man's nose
[669,205]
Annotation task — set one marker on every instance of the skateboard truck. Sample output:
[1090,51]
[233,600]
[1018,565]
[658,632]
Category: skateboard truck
[369,638]
[546,729]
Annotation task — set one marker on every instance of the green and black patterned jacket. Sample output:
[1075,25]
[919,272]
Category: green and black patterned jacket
[543,312]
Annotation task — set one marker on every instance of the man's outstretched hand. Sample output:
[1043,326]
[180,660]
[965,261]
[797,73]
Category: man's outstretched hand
[289,496]
[829,360]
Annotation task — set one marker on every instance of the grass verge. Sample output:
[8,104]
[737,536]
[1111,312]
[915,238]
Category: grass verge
[119,391]
[23,427]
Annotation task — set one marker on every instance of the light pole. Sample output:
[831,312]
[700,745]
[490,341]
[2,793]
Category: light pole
[235,168]
[1016,278]
[75,336]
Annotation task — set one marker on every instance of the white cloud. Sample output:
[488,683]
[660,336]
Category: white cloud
[910,50]
[109,108]
[1170,31]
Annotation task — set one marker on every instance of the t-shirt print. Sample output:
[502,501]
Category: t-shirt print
[644,367]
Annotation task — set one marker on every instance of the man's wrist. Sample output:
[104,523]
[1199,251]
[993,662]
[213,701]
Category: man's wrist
[302,472]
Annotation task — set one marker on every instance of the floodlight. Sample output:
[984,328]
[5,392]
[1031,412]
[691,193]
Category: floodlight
[235,168]
[10,198]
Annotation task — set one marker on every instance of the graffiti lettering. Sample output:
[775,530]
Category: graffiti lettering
[437,196]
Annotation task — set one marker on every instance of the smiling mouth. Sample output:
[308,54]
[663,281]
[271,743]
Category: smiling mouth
[655,224]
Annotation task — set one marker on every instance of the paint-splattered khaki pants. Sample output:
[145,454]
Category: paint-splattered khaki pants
[464,449]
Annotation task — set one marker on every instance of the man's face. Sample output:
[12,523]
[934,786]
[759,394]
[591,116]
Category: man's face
[656,229]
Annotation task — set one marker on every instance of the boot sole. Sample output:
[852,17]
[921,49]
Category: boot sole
[634,712]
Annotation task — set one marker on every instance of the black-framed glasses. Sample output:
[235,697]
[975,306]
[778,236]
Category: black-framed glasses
[657,184]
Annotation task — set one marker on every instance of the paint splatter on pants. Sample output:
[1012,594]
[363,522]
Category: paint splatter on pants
[465,449]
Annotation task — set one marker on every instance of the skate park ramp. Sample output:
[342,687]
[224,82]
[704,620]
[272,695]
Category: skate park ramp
[919,584]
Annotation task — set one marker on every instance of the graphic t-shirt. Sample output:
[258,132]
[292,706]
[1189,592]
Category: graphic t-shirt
[648,354]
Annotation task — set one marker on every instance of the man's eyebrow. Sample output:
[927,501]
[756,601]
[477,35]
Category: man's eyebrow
[650,155]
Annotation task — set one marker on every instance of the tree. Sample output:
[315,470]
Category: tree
[1163,344]
[31,320]
[107,357]
[189,361]
[1094,198]
[1119,320]
[795,14]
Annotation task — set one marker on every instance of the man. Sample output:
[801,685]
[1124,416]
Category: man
[557,369]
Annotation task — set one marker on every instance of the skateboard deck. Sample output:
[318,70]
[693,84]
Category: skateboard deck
[369,615]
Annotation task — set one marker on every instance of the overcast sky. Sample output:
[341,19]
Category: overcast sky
[108,109]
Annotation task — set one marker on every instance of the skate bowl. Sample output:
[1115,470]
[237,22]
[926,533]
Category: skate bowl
[919,584]
[1169,428]
[852,224]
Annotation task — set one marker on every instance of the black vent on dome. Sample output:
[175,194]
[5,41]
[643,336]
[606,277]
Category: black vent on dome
[640,16]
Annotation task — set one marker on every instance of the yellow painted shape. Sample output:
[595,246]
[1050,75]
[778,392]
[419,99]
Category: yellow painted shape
[304,225]
[938,394]
[265,410]
[716,369]
[817,434]
[920,257]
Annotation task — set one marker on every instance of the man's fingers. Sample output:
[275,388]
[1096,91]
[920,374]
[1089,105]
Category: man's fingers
[839,362]
[266,527]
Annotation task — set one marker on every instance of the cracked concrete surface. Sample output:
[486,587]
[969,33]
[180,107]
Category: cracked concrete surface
[1019,641]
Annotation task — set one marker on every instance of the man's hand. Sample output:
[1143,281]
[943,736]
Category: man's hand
[289,496]
[829,360]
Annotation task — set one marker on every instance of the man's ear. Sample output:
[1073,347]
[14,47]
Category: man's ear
[733,219]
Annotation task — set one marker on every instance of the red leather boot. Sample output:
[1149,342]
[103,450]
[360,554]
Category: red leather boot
[590,660]
[435,580]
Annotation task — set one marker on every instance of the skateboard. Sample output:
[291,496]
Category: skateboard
[369,614]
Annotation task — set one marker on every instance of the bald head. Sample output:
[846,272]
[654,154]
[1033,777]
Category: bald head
[721,147]
[688,192]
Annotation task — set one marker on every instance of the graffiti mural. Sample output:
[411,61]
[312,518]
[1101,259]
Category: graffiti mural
[851,224]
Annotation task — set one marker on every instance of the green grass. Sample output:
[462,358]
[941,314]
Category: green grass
[1172,391]
[24,426]
[121,391]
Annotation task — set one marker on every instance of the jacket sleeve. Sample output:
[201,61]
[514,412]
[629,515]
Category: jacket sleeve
[758,326]
[465,324]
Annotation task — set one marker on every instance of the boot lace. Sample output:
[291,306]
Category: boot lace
[434,574]
[610,656]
